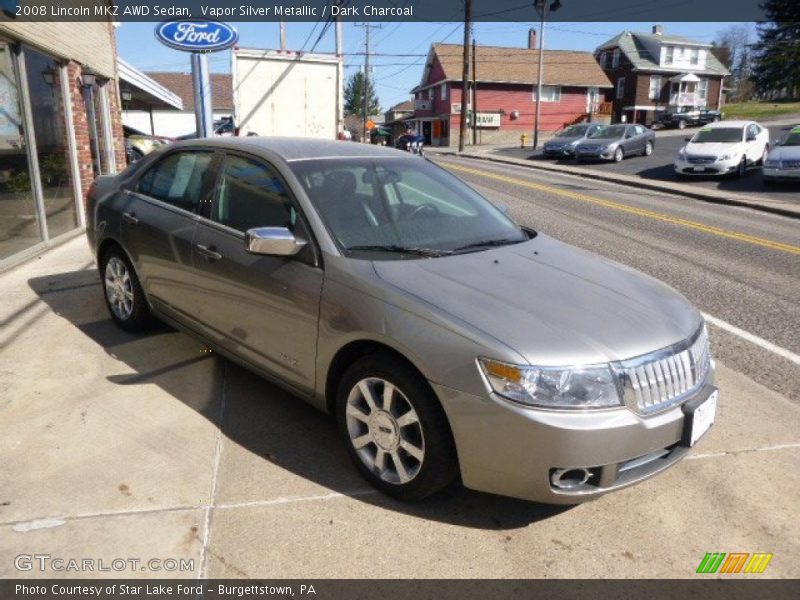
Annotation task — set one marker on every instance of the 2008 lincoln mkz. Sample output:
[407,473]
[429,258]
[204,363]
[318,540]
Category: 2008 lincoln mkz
[446,340]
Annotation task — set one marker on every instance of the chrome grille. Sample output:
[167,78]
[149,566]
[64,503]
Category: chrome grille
[588,148]
[791,164]
[656,381]
[701,160]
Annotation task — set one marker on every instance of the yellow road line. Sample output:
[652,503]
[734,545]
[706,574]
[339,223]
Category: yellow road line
[734,235]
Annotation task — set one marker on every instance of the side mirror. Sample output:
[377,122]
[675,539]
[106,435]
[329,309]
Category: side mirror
[273,241]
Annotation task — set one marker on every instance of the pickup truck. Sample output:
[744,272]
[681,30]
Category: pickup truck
[680,119]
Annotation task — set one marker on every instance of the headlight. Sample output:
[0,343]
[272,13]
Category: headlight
[612,146]
[682,152]
[590,386]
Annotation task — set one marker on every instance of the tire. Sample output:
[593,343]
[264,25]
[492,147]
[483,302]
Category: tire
[378,436]
[648,149]
[742,168]
[123,292]
[619,154]
[681,124]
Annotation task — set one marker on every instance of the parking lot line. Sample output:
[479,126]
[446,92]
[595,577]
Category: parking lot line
[744,451]
[753,339]
[718,231]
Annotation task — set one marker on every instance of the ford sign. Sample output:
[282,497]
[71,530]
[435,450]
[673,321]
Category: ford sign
[197,36]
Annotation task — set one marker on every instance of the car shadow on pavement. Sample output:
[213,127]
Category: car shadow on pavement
[751,182]
[257,415]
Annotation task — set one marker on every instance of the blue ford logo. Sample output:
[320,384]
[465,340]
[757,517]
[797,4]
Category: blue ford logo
[197,36]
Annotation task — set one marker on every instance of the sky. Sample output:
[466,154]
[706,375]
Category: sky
[394,75]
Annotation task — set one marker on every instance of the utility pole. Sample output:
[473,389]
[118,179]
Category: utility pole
[283,35]
[367,27]
[474,98]
[541,8]
[465,75]
[339,77]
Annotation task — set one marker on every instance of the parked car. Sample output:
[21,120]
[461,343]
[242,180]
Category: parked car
[563,143]
[783,161]
[689,116]
[615,142]
[445,339]
[221,127]
[138,144]
[411,142]
[724,148]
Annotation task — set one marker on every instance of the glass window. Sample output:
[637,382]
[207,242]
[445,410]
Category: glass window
[615,58]
[550,93]
[668,54]
[95,114]
[379,207]
[19,221]
[177,179]
[443,91]
[620,88]
[695,56]
[702,90]
[51,135]
[655,87]
[251,194]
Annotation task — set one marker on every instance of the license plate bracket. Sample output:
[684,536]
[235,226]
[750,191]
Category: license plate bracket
[699,416]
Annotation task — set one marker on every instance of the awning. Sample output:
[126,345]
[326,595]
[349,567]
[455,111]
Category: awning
[686,78]
[145,93]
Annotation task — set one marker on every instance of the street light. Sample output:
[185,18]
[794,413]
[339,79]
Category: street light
[541,8]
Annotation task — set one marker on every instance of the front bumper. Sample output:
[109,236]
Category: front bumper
[565,151]
[511,450]
[719,167]
[601,154]
[775,173]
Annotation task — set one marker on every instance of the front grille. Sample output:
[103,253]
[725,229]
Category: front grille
[791,164]
[701,160]
[588,148]
[656,381]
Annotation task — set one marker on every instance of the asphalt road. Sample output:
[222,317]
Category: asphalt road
[738,265]
[659,165]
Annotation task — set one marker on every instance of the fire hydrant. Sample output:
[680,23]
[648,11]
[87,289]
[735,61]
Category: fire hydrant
[522,139]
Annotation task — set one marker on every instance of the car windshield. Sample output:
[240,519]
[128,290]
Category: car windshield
[793,139]
[574,131]
[722,135]
[397,208]
[613,131]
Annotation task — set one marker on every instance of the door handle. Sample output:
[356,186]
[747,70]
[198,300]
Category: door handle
[208,252]
[130,218]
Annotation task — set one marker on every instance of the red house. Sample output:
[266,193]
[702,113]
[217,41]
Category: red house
[504,97]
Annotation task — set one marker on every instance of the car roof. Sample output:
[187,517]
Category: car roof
[294,149]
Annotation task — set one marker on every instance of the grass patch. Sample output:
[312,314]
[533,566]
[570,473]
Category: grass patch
[760,110]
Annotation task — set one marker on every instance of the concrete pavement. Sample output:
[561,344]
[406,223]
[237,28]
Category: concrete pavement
[115,445]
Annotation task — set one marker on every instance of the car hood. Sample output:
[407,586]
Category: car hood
[785,153]
[564,139]
[713,148]
[550,302]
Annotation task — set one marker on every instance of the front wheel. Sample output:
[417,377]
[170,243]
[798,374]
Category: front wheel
[395,429]
[681,124]
[123,292]
[648,149]
[619,154]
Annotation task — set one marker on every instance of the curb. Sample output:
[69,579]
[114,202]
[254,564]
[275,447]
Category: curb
[791,212]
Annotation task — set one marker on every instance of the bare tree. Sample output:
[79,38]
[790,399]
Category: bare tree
[732,48]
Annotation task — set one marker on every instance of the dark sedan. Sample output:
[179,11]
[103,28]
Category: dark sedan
[615,142]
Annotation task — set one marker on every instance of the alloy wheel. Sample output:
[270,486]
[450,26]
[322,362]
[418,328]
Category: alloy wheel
[648,149]
[119,288]
[385,430]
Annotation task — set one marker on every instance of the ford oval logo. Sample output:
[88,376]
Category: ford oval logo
[197,36]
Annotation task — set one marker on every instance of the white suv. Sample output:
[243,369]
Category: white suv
[726,147]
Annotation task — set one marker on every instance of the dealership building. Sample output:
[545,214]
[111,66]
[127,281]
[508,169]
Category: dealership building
[60,127]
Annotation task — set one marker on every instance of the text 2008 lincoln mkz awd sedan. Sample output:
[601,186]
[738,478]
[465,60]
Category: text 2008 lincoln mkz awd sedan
[447,340]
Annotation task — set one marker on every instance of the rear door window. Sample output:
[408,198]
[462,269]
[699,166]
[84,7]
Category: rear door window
[177,179]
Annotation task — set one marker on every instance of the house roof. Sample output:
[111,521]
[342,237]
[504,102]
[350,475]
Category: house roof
[406,105]
[181,84]
[521,65]
[633,46]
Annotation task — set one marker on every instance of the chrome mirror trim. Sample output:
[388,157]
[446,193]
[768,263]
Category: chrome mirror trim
[273,241]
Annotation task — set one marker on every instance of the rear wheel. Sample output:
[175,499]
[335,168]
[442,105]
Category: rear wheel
[395,429]
[123,293]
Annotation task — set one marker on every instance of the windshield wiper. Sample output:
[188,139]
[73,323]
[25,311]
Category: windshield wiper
[401,249]
[487,244]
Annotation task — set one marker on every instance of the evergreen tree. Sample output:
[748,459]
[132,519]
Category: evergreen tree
[777,53]
[354,96]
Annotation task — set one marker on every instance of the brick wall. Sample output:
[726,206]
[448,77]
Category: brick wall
[115,108]
[81,127]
